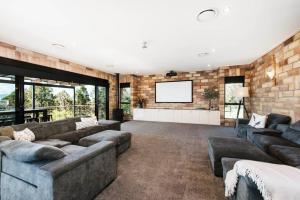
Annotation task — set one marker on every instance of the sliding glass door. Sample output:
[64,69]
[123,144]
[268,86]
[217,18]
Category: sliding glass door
[7,99]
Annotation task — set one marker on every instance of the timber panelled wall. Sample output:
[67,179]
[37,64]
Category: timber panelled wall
[281,95]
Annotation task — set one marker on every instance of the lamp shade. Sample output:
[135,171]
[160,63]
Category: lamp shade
[242,92]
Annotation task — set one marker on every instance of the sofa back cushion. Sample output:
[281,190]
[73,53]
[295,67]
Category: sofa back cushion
[46,129]
[21,127]
[291,135]
[7,131]
[274,119]
[30,152]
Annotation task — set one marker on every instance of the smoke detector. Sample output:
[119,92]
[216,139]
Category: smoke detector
[206,15]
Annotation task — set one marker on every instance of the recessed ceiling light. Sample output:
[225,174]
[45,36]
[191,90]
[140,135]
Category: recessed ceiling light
[57,45]
[207,14]
[226,9]
[110,65]
[202,54]
[208,65]
[213,50]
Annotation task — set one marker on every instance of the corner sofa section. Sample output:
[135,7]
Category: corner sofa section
[78,176]
[81,175]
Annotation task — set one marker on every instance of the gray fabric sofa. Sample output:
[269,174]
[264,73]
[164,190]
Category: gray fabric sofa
[242,128]
[81,175]
[122,139]
[219,147]
[282,144]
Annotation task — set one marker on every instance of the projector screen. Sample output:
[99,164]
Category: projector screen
[174,92]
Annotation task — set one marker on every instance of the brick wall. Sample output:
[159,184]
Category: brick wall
[201,80]
[281,95]
[13,52]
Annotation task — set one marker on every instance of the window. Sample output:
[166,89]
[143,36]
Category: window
[102,102]
[7,99]
[232,102]
[85,100]
[125,98]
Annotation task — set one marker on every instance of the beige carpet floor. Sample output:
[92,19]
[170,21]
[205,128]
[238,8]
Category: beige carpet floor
[167,161]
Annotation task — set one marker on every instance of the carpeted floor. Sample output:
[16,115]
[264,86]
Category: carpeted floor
[167,161]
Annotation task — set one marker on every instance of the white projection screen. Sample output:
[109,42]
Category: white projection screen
[174,92]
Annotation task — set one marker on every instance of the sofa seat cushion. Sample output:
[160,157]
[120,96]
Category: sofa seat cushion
[219,147]
[69,149]
[30,152]
[265,141]
[53,142]
[118,137]
[292,135]
[288,155]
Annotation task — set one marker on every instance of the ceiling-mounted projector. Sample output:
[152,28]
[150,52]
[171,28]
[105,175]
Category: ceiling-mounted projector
[171,73]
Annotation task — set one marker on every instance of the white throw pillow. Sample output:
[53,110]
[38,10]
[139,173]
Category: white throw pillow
[258,121]
[24,135]
[90,120]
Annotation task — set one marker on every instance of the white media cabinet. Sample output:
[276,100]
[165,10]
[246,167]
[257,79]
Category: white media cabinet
[192,116]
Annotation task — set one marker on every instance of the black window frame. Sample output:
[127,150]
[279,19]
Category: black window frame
[228,80]
[124,85]
[21,69]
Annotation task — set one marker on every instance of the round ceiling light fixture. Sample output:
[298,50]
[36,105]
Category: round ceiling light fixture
[206,15]
[57,45]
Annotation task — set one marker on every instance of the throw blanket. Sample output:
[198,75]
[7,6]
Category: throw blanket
[275,182]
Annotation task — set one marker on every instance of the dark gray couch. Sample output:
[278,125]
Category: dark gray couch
[81,175]
[283,145]
[242,128]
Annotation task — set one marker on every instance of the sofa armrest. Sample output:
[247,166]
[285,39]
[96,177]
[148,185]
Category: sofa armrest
[241,121]
[61,166]
[267,131]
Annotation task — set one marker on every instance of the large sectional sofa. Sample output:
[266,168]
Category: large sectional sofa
[278,143]
[82,172]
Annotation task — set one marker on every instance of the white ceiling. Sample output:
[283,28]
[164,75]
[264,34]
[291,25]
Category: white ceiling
[108,34]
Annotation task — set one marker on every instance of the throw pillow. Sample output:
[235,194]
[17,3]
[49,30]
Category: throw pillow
[29,152]
[7,131]
[90,120]
[24,135]
[258,121]
[81,125]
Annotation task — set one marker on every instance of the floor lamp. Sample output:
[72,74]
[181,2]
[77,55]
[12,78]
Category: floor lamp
[242,93]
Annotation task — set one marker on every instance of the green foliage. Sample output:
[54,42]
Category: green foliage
[63,99]
[44,96]
[10,98]
[82,96]
[28,98]
[211,93]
